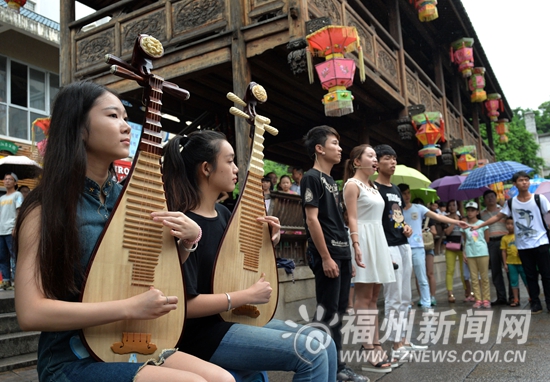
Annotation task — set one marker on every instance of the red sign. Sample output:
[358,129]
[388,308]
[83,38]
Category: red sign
[122,169]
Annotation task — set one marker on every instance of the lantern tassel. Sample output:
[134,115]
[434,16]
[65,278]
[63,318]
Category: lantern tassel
[362,76]
[309,65]
[442,130]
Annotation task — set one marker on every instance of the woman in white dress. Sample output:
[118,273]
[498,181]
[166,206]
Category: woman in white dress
[372,260]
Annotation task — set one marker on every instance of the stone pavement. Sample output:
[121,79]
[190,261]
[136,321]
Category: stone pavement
[471,360]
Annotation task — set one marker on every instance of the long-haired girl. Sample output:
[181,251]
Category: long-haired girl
[58,226]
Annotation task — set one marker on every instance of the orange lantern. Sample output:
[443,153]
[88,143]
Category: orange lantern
[465,158]
[15,5]
[44,125]
[430,129]
[493,106]
[462,54]
[502,128]
[337,72]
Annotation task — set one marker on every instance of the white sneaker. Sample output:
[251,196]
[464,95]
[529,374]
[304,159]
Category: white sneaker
[413,347]
[401,354]
[429,312]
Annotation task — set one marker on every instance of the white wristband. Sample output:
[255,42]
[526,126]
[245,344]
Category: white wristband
[192,249]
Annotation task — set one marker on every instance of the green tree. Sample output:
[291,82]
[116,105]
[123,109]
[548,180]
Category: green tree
[521,146]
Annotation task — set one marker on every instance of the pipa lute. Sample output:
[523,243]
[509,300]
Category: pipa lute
[135,253]
[246,250]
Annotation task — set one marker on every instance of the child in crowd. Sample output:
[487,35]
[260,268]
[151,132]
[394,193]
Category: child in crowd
[476,254]
[511,260]
[284,185]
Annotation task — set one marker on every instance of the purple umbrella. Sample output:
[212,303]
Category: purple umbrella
[447,189]
[544,189]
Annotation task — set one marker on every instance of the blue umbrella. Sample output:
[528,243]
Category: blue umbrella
[493,173]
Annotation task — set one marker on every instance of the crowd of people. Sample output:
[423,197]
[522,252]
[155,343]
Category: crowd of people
[370,230]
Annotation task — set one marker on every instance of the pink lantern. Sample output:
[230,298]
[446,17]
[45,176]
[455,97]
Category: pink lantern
[462,54]
[494,106]
[336,72]
[477,83]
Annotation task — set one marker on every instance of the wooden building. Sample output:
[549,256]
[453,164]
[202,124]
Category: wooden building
[216,46]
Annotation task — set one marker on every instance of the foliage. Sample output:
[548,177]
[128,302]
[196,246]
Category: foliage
[521,146]
[278,168]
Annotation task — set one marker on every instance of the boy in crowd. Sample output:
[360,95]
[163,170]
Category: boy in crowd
[531,236]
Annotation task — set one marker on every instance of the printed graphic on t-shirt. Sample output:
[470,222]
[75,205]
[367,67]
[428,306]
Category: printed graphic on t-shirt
[396,216]
[308,196]
[475,235]
[524,225]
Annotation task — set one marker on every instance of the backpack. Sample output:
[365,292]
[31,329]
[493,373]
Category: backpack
[537,201]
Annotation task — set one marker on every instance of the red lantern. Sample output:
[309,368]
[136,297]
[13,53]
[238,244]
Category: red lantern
[477,83]
[336,73]
[502,128]
[427,9]
[494,106]
[15,5]
[462,54]
[430,129]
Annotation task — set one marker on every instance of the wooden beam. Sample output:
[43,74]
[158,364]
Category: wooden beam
[67,15]
[240,71]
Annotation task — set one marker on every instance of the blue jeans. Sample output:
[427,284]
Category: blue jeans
[419,267]
[246,347]
[7,260]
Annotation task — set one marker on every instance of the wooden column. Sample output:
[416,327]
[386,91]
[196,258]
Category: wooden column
[240,69]
[397,34]
[457,101]
[297,13]
[67,15]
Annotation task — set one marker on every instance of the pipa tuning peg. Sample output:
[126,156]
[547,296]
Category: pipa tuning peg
[239,113]
[235,98]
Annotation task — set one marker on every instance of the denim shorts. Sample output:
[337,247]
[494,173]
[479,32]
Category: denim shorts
[90,370]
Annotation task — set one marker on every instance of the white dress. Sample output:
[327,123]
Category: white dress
[372,240]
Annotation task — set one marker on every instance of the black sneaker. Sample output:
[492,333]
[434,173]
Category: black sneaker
[536,309]
[346,374]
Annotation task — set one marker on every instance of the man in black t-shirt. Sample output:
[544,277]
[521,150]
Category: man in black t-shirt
[397,295]
[328,249]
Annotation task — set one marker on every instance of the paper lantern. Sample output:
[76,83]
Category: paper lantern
[16,5]
[498,188]
[465,157]
[430,129]
[337,72]
[462,54]
[477,83]
[502,128]
[493,106]
[427,9]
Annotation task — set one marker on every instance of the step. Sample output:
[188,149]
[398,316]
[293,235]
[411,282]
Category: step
[17,362]
[14,344]
[7,301]
[8,323]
